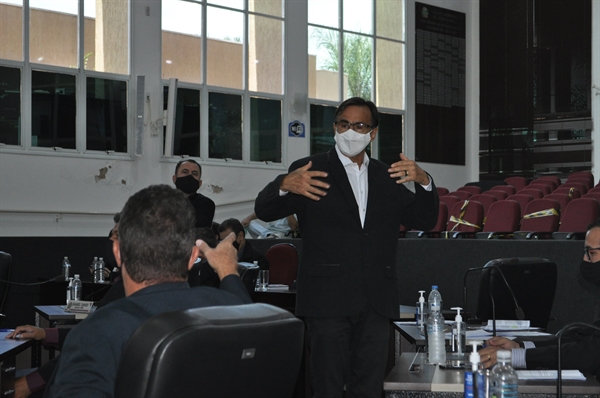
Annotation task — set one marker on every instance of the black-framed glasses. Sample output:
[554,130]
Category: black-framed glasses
[589,251]
[358,127]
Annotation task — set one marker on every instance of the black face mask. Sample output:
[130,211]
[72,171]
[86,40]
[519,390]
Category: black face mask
[590,272]
[187,184]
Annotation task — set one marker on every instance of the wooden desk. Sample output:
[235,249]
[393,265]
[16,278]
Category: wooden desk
[400,383]
[9,349]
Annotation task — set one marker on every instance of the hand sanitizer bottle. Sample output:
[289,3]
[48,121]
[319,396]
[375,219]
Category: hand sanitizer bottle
[458,333]
[471,371]
[420,310]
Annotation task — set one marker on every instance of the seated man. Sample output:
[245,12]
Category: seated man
[202,274]
[284,228]
[155,251]
[246,253]
[579,350]
[188,179]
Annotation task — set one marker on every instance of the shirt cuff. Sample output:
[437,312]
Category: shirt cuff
[429,186]
[518,358]
[35,381]
[283,193]
[528,344]
[51,337]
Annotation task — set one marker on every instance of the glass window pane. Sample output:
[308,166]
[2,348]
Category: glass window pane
[265,130]
[106,115]
[389,137]
[270,7]
[390,19]
[10,106]
[321,128]
[11,30]
[106,36]
[225,31]
[389,74]
[53,33]
[358,16]
[324,12]
[239,4]
[358,52]
[225,126]
[265,55]
[323,64]
[186,137]
[52,110]
[182,41]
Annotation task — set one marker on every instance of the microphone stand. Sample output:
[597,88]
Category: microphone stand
[560,333]
[493,314]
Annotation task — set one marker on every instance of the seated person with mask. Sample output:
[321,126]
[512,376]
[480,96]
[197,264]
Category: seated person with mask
[187,179]
[155,251]
[579,350]
[246,253]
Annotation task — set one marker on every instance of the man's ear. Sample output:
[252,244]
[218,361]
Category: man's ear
[194,256]
[174,179]
[117,252]
[200,181]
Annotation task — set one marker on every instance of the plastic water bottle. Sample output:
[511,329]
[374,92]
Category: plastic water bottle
[76,288]
[69,290]
[93,266]
[504,379]
[436,338]
[434,299]
[66,268]
[99,271]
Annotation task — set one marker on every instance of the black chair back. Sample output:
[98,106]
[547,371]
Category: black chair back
[251,350]
[533,282]
[5,271]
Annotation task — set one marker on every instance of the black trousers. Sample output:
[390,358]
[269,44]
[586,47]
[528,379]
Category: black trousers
[348,351]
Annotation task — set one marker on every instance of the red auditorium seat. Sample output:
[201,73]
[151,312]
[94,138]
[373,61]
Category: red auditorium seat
[466,218]
[576,217]
[551,184]
[575,184]
[463,195]
[502,220]
[561,198]
[283,263]
[449,200]
[509,189]
[439,227]
[486,200]
[441,191]
[556,180]
[546,189]
[534,192]
[472,189]
[500,195]
[574,193]
[518,182]
[522,200]
[540,220]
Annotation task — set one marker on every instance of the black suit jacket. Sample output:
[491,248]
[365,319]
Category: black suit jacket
[579,351]
[343,265]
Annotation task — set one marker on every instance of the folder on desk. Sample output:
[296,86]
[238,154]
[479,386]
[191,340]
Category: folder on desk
[549,374]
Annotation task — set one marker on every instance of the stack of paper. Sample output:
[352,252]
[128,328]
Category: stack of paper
[549,374]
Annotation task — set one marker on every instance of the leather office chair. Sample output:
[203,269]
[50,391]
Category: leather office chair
[532,282]
[251,350]
[5,271]
[248,274]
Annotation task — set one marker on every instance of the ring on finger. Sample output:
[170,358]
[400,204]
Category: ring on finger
[405,173]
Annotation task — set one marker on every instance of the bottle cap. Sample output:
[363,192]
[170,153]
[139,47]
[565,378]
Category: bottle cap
[434,287]
[76,276]
[503,354]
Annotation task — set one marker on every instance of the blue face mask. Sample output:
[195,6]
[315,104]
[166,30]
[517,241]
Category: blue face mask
[590,272]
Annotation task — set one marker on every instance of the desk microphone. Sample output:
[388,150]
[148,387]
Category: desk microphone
[57,279]
[518,310]
[560,333]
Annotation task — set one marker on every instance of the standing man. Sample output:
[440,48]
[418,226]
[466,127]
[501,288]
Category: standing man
[349,208]
[188,179]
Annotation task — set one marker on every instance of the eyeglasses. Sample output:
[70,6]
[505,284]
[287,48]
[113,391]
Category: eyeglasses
[343,125]
[591,251]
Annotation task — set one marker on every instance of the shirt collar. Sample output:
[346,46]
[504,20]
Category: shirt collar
[346,160]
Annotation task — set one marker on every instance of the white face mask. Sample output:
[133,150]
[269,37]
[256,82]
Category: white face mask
[351,143]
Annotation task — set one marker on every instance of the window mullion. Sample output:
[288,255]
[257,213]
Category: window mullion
[26,122]
[80,97]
